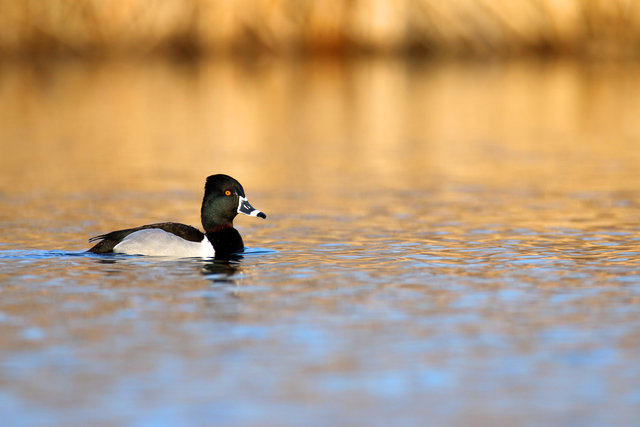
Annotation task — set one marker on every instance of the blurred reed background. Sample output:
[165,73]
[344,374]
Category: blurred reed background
[591,28]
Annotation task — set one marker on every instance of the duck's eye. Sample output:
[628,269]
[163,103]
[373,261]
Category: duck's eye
[227,193]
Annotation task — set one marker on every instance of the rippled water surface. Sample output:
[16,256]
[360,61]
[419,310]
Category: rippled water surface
[446,244]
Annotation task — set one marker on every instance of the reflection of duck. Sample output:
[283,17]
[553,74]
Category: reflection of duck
[224,198]
[221,270]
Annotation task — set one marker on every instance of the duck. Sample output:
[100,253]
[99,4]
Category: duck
[223,199]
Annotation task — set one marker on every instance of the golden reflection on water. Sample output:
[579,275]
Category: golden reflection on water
[548,129]
[571,125]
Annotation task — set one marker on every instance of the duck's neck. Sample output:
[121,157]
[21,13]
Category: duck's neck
[225,239]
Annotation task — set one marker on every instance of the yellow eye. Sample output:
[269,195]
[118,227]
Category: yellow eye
[227,193]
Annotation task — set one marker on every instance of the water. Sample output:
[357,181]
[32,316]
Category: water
[450,243]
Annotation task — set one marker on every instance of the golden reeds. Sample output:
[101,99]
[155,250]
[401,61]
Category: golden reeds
[284,27]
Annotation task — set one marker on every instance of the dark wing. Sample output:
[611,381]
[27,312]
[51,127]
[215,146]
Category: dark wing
[106,242]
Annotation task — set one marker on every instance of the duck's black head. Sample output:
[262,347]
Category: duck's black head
[223,199]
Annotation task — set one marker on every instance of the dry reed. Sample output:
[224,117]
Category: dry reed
[597,28]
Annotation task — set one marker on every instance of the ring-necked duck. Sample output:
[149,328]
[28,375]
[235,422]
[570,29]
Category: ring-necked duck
[223,199]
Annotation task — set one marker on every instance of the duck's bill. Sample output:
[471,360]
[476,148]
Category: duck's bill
[244,207]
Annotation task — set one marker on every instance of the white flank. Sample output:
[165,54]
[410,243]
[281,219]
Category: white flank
[157,242]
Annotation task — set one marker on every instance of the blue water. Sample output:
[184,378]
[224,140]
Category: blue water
[332,332]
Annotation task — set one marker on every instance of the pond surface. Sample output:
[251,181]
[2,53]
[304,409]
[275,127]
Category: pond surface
[446,243]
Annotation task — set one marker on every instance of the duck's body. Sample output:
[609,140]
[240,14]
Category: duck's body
[163,239]
[223,199]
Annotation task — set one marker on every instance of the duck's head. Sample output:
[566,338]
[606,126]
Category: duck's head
[224,198]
